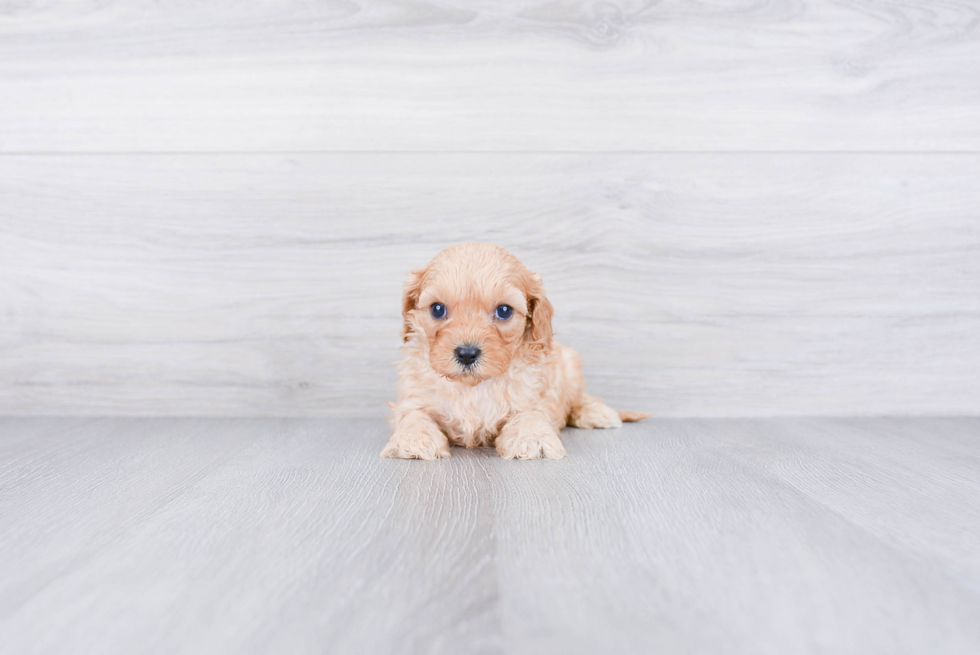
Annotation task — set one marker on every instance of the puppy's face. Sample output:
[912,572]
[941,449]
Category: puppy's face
[475,306]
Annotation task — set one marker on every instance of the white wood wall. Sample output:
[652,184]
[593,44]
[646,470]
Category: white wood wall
[739,208]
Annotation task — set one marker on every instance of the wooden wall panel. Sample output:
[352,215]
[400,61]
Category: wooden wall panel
[213,76]
[692,284]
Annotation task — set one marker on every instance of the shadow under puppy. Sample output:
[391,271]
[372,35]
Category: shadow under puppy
[481,367]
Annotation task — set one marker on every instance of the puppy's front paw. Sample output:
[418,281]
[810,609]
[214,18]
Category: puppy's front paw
[429,443]
[530,445]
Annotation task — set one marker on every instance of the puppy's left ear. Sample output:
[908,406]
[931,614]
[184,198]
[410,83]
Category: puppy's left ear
[410,299]
[539,312]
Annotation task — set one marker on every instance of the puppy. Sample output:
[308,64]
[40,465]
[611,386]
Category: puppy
[481,367]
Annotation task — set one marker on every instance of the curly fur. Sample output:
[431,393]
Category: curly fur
[521,391]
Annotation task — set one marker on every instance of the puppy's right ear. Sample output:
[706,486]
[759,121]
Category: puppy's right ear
[413,287]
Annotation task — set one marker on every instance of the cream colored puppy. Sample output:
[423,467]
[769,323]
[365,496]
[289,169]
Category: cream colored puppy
[481,367]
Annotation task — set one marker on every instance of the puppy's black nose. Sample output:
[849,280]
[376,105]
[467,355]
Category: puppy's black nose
[466,355]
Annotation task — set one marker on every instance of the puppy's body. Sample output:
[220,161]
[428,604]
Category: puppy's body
[472,416]
[522,388]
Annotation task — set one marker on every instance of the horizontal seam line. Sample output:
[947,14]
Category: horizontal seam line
[56,153]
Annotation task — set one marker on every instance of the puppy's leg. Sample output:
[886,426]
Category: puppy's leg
[590,412]
[416,436]
[529,435]
[585,411]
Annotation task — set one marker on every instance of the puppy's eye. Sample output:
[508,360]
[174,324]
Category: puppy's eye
[438,310]
[504,312]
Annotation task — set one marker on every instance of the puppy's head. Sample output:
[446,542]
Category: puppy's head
[475,306]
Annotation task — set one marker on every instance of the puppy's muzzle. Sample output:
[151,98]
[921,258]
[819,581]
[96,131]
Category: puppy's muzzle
[467,355]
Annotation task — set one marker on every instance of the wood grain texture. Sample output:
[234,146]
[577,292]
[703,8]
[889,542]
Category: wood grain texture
[623,75]
[291,535]
[691,284]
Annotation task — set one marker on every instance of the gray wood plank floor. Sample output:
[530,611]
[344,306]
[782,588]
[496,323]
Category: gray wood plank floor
[291,535]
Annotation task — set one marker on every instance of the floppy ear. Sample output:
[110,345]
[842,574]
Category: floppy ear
[539,310]
[413,287]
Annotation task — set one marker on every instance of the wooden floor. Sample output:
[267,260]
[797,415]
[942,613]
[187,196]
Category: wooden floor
[291,535]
